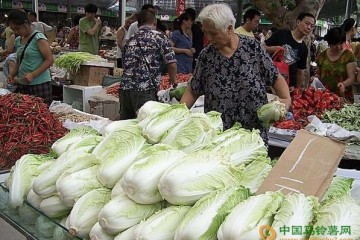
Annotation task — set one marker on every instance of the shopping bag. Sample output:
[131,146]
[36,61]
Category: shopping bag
[282,66]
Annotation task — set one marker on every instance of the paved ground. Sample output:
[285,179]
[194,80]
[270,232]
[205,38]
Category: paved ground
[7,232]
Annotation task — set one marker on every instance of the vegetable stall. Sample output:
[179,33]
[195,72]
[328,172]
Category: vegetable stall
[169,174]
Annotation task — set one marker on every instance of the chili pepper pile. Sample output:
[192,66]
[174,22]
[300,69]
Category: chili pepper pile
[306,102]
[113,89]
[26,126]
[165,83]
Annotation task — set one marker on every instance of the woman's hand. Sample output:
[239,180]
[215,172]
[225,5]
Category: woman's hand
[28,77]
[341,86]
[188,52]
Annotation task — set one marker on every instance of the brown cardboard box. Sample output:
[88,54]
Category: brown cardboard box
[107,109]
[307,166]
[91,74]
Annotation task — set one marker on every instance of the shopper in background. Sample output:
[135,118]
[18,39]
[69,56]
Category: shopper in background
[90,30]
[350,27]
[181,42]
[34,58]
[144,55]
[10,68]
[120,38]
[197,35]
[2,29]
[296,49]
[251,22]
[336,66]
[106,30]
[134,26]
[73,36]
[8,32]
[37,25]
[233,72]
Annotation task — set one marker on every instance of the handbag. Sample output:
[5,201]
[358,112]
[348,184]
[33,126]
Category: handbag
[282,66]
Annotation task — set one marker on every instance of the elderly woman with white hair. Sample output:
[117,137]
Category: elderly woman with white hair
[233,72]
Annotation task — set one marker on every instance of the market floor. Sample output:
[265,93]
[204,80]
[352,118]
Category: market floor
[7,232]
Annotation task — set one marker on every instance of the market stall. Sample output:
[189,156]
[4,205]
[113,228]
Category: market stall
[93,177]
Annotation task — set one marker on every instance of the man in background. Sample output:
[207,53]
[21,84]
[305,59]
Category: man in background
[134,26]
[37,25]
[251,22]
[89,30]
[197,35]
[144,55]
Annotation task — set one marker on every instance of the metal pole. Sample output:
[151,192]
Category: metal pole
[348,8]
[36,7]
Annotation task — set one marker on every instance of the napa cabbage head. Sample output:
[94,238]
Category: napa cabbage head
[271,112]
[87,144]
[161,225]
[158,124]
[127,234]
[84,214]
[295,210]
[117,152]
[122,212]
[209,212]
[151,108]
[26,169]
[247,217]
[72,186]
[74,136]
[119,125]
[98,233]
[141,186]
[45,184]
[255,173]
[341,212]
[339,187]
[196,175]
[243,147]
[191,134]
[216,120]
[53,207]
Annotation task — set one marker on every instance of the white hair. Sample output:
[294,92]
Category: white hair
[220,14]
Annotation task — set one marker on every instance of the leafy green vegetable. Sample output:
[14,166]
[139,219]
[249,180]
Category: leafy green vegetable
[271,112]
[208,213]
[71,61]
[339,187]
[247,217]
[347,117]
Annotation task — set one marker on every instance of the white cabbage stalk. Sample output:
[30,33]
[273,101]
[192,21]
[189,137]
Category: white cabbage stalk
[119,125]
[117,190]
[84,214]
[122,212]
[295,210]
[155,126]
[74,136]
[215,120]
[161,225]
[45,184]
[117,152]
[128,234]
[8,180]
[255,174]
[141,186]
[87,144]
[53,207]
[227,134]
[44,227]
[150,108]
[26,169]
[208,213]
[340,212]
[195,176]
[76,184]
[28,214]
[339,187]
[191,134]
[60,232]
[34,199]
[97,233]
[247,217]
[242,147]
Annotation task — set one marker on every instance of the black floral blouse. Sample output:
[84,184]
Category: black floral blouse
[235,86]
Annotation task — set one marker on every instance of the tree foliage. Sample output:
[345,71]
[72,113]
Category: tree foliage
[283,13]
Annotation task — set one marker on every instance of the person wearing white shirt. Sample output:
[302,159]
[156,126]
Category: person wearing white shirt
[37,25]
[134,26]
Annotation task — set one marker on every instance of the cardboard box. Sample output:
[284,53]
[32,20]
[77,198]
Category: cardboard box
[306,166]
[107,109]
[91,74]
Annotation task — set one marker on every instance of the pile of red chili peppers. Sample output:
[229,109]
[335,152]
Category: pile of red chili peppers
[306,102]
[26,126]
